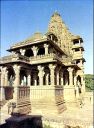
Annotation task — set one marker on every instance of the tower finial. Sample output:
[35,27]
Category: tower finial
[56,13]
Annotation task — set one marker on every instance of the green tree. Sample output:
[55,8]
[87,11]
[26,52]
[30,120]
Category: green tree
[89,82]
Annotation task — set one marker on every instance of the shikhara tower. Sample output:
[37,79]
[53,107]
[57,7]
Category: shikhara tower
[46,71]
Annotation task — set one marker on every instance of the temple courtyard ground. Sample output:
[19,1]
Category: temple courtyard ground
[81,116]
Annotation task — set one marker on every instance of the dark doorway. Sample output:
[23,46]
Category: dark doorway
[41,51]
[29,53]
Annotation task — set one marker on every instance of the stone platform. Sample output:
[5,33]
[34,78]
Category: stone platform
[49,99]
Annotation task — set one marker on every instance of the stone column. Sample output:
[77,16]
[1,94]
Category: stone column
[61,76]
[83,83]
[35,79]
[52,71]
[47,78]
[51,37]
[79,41]
[41,74]
[2,76]
[46,49]
[16,82]
[2,93]
[17,75]
[6,77]
[75,80]
[57,73]
[35,50]
[28,77]
[22,51]
[70,70]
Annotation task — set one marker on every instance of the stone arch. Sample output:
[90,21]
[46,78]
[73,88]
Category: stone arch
[41,51]
[29,53]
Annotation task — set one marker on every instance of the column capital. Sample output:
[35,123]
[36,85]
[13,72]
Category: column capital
[46,45]
[52,66]
[70,69]
[4,69]
[34,48]
[22,51]
[41,71]
[16,67]
[40,68]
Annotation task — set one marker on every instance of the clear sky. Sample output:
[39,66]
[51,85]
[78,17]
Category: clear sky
[20,19]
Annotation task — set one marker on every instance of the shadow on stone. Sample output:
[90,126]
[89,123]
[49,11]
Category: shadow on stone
[23,121]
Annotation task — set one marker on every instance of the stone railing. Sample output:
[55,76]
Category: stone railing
[6,58]
[14,57]
[47,57]
[77,45]
[24,58]
[41,56]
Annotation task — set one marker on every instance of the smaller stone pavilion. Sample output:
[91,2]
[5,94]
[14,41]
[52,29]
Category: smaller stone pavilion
[44,73]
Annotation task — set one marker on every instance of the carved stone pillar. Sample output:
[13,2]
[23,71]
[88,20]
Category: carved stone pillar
[6,76]
[35,79]
[35,50]
[83,83]
[2,93]
[47,78]
[79,41]
[46,49]
[41,74]
[17,75]
[61,77]
[2,76]
[52,71]
[70,70]
[58,75]
[22,51]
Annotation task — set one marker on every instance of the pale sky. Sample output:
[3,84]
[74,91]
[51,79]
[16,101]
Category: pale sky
[20,19]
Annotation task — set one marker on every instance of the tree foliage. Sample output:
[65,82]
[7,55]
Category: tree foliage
[89,82]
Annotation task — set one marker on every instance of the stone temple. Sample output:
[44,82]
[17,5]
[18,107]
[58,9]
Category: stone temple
[45,73]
